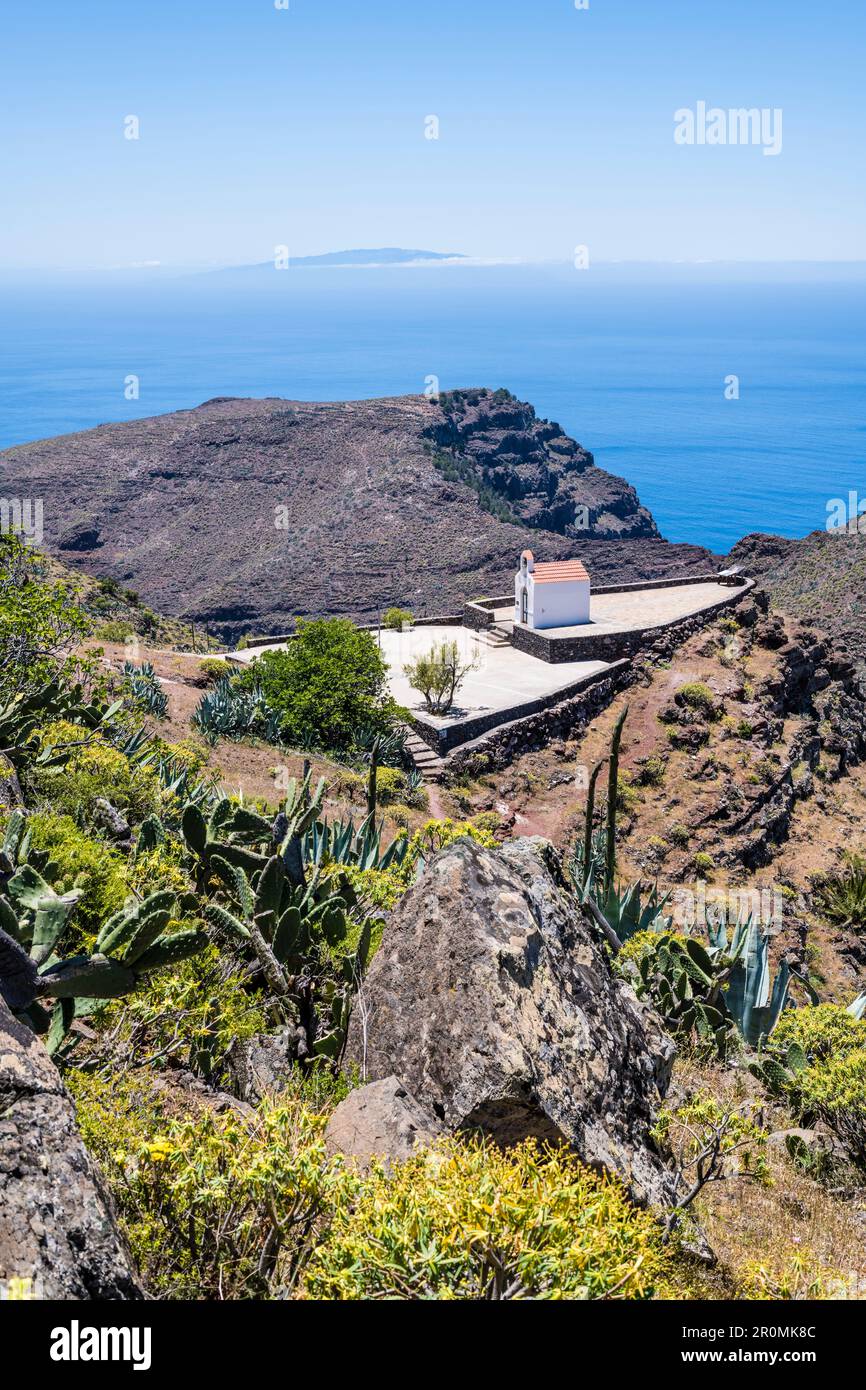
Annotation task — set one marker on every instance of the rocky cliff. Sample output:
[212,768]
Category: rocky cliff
[820,578]
[247,513]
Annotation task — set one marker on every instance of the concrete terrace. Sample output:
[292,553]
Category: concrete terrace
[519,671]
[636,609]
[504,677]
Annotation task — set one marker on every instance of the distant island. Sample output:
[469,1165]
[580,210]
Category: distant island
[381,255]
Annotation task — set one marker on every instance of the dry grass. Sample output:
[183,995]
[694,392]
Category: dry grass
[791,1238]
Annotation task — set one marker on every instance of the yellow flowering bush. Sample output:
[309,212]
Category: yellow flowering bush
[234,1205]
[836,1091]
[78,861]
[822,1031]
[187,1016]
[215,1205]
[466,1220]
[94,769]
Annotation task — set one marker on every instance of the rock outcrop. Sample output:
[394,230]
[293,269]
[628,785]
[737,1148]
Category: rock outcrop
[546,478]
[381,1120]
[492,1002]
[56,1223]
[820,578]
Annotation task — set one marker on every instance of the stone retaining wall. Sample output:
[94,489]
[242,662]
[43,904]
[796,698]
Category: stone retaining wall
[610,646]
[499,746]
[444,739]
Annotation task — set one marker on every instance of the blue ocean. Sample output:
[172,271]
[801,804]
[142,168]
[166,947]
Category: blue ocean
[733,403]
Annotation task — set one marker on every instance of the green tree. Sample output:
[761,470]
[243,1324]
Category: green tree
[329,683]
[40,622]
[438,675]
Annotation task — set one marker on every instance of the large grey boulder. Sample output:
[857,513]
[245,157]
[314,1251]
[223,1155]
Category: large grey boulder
[492,1001]
[381,1120]
[56,1223]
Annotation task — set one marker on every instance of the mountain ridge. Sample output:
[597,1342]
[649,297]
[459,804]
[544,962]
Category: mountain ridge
[244,513]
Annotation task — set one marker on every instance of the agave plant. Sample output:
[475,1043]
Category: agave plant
[143,750]
[755,1000]
[841,897]
[338,842]
[235,712]
[144,688]
[857,1009]
[628,912]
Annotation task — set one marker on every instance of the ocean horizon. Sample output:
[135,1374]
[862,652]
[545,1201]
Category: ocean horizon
[732,404]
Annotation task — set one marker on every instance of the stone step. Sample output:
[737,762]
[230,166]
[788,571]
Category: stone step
[428,763]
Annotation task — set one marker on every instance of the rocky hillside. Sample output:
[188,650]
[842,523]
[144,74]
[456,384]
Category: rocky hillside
[245,514]
[821,579]
[742,766]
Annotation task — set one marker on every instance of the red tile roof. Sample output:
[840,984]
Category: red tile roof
[559,571]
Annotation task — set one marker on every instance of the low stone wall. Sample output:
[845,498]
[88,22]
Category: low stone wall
[479,614]
[666,583]
[535,729]
[437,620]
[502,745]
[457,735]
[609,646]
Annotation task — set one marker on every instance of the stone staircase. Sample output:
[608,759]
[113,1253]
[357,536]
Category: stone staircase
[428,763]
[498,635]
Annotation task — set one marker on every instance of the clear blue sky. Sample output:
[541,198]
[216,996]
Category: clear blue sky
[305,127]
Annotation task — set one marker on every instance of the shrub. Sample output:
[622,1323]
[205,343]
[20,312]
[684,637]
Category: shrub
[822,1031]
[836,1090]
[40,622]
[115,630]
[381,888]
[651,771]
[799,1276]
[627,798]
[397,618]
[190,1016]
[94,770]
[229,1205]
[467,1221]
[158,869]
[390,784]
[438,675]
[436,834]
[329,684]
[695,695]
[79,861]
[704,863]
[212,669]
[214,1205]
[679,835]
[188,754]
